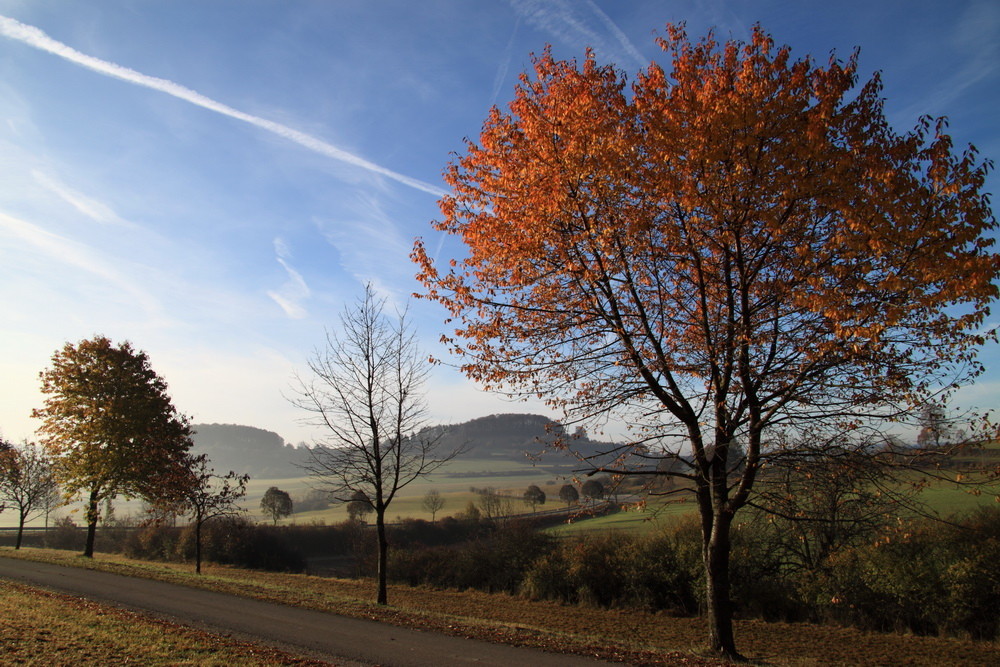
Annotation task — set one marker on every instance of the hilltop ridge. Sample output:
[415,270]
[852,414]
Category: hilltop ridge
[513,436]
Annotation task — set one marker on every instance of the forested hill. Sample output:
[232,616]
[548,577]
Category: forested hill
[512,436]
[245,449]
[517,437]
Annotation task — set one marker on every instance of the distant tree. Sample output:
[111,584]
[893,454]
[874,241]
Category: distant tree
[471,513]
[433,503]
[359,506]
[110,427]
[276,504]
[52,500]
[534,496]
[26,482]
[366,392]
[314,500]
[495,506]
[937,429]
[209,496]
[592,489]
[568,494]
[6,460]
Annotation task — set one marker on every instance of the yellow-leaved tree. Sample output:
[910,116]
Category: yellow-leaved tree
[111,428]
[733,251]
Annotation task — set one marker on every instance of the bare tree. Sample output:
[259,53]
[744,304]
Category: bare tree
[365,390]
[209,496]
[433,503]
[26,481]
[495,506]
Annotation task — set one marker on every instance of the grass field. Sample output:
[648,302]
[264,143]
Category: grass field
[625,635]
[452,482]
[44,629]
[510,477]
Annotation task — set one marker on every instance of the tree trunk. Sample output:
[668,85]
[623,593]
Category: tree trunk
[197,546]
[383,556]
[92,514]
[20,531]
[720,606]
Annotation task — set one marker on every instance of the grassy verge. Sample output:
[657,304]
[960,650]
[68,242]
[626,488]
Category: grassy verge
[43,628]
[626,635]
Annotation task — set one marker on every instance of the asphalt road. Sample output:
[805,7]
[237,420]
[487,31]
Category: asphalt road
[337,639]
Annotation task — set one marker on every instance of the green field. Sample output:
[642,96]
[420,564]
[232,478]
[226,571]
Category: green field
[455,481]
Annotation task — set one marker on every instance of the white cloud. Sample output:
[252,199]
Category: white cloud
[501,75]
[240,384]
[563,20]
[619,36]
[295,290]
[371,247]
[89,207]
[74,255]
[36,38]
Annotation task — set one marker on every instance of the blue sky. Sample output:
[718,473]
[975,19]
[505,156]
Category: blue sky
[214,179]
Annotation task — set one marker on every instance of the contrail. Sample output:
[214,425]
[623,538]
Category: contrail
[617,32]
[34,37]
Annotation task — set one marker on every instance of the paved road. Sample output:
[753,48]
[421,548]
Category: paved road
[338,639]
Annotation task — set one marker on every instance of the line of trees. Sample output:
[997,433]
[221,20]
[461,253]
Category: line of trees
[109,429]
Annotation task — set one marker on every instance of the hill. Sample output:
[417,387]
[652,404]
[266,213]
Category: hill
[516,437]
[245,449]
[506,437]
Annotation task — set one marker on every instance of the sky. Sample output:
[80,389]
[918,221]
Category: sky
[214,180]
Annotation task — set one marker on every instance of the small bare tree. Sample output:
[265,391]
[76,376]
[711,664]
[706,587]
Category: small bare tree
[495,506]
[365,390]
[26,482]
[433,503]
[209,496]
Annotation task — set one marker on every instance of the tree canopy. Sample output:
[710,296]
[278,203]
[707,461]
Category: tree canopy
[568,494]
[276,504]
[534,496]
[110,426]
[725,251]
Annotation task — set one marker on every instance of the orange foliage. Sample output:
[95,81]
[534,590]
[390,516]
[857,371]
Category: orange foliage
[735,233]
[735,247]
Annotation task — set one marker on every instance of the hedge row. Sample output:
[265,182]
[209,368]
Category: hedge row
[922,577]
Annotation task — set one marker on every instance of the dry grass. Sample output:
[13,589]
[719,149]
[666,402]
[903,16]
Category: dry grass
[48,629]
[625,635]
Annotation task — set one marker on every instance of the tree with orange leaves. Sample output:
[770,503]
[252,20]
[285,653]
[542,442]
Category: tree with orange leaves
[731,252]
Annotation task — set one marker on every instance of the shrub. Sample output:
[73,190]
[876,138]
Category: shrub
[153,542]
[613,570]
[65,534]
[237,541]
[493,562]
